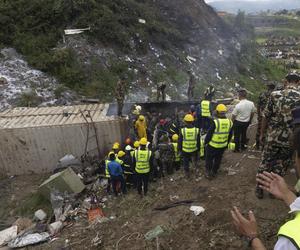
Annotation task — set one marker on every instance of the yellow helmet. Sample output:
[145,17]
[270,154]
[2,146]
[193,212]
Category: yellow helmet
[143,141]
[116,145]
[121,154]
[189,118]
[175,137]
[221,108]
[136,144]
[142,118]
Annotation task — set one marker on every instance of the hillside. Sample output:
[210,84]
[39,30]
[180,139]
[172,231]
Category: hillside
[146,41]
[233,6]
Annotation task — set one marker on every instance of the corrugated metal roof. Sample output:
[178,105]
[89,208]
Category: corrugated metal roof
[51,116]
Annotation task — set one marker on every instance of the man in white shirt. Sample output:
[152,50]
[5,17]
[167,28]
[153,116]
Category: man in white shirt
[242,116]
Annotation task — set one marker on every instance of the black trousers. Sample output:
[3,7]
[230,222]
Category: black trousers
[240,134]
[213,158]
[142,183]
[118,179]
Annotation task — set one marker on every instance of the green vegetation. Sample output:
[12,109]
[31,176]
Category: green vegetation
[36,27]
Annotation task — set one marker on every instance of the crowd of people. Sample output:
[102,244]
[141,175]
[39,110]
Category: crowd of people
[164,145]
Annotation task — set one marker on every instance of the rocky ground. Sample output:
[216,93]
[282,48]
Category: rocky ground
[131,217]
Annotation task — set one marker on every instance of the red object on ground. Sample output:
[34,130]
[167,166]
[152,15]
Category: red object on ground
[95,213]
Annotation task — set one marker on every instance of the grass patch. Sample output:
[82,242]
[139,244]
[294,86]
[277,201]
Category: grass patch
[32,203]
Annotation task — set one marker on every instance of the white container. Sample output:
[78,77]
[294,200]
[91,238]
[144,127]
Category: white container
[40,215]
[55,227]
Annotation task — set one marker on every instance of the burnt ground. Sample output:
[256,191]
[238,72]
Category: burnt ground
[134,217]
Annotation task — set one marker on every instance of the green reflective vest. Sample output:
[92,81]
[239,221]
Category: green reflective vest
[231,146]
[189,139]
[107,175]
[177,156]
[291,230]
[205,110]
[221,134]
[142,159]
[202,152]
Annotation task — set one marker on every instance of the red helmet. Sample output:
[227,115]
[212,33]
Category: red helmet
[162,122]
[128,141]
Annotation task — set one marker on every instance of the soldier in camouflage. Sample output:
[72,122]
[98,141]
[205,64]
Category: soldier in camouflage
[166,156]
[120,93]
[261,104]
[277,117]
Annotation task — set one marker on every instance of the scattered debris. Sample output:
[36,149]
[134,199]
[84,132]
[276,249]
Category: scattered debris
[23,224]
[8,234]
[40,215]
[75,31]
[191,59]
[65,181]
[143,21]
[175,204]
[29,239]
[154,233]
[55,227]
[94,214]
[197,210]
[253,157]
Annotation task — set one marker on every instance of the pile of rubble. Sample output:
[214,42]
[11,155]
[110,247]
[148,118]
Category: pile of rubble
[75,197]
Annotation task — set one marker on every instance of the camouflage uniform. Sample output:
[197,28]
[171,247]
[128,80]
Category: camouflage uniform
[261,104]
[120,92]
[277,154]
[167,158]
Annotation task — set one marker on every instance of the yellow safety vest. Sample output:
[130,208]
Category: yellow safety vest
[142,159]
[205,110]
[291,231]
[189,139]
[177,156]
[231,146]
[220,136]
[107,175]
[119,161]
[202,147]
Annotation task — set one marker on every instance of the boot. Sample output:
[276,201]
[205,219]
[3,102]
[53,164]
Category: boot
[259,193]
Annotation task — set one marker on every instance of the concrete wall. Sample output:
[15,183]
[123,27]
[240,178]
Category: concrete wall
[37,150]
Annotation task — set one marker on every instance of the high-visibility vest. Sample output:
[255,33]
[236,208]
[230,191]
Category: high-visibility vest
[107,175]
[142,159]
[221,134]
[231,146]
[177,156]
[119,161]
[202,147]
[290,230]
[189,139]
[205,108]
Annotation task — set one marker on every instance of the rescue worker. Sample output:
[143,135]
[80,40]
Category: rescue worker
[116,148]
[191,85]
[261,104]
[107,175]
[116,174]
[142,161]
[141,127]
[277,117]
[189,143]
[120,92]
[176,153]
[288,235]
[216,141]
[166,156]
[126,162]
[161,91]
[136,145]
[204,115]
[174,127]
[209,93]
